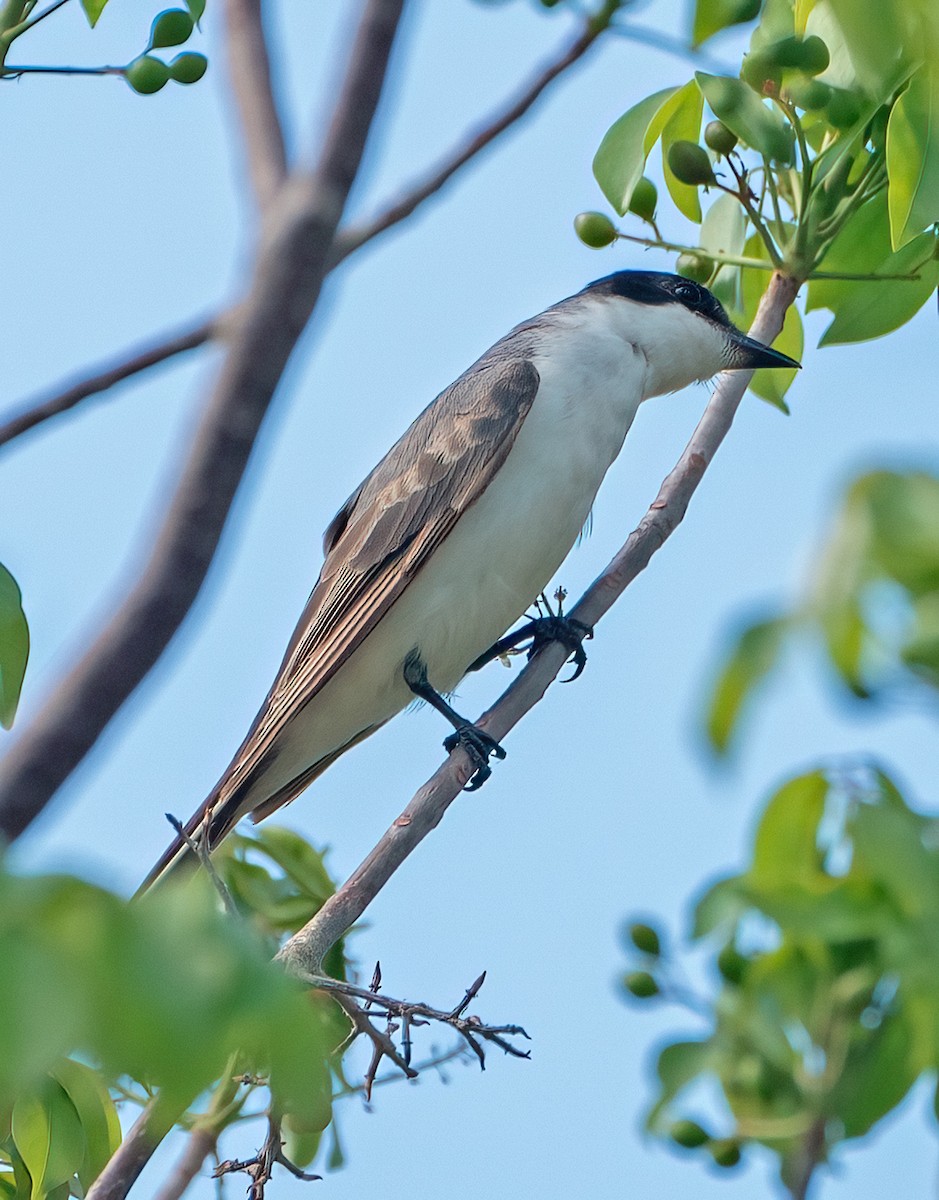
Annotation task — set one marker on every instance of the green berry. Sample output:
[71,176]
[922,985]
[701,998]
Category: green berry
[188,68]
[725,1152]
[641,985]
[815,56]
[808,94]
[844,109]
[689,1134]
[763,75]
[698,267]
[595,229]
[689,163]
[644,199]
[719,138]
[646,939]
[171,27]
[146,74]
[731,964]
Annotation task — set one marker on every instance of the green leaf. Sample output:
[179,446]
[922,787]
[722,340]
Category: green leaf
[846,637]
[861,246]
[879,1071]
[750,660]
[889,847]
[14,646]
[96,1112]
[742,111]
[721,907]
[196,9]
[786,850]
[172,27]
[619,162]
[877,307]
[711,16]
[93,10]
[873,47]
[773,385]
[678,1064]
[913,157]
[48,1136]
[683,124]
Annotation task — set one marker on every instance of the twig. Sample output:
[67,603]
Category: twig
[497,123]
[249,72]
[810,1154]
[199,1145]
[288,276]
[201,850]
[261,1167]
[128,364]
[411,1012]
[304,952]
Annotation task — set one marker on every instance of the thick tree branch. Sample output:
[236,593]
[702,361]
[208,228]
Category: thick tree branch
[133,1154]
[249,72]
[352,238]
[132,363]
[304,952]
[199,1145]
[288,274]
[347,242]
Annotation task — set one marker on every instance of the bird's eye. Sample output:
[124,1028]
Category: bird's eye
[686,291]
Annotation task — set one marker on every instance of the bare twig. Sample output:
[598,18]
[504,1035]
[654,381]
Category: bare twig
[261,1166]
[249,72]
[288,275]
[414,1012]
[352,238]
[130,363]
[199,1145]
[201,850]
[303,953]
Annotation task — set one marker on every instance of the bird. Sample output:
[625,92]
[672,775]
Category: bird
[460,527]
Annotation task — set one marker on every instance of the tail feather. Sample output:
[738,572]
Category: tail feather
[217,817]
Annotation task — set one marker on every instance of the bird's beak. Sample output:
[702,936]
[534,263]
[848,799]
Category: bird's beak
[746,354]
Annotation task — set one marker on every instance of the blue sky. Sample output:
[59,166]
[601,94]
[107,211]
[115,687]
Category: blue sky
[125,215]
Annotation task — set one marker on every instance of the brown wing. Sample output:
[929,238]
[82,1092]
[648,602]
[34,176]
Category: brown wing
[387,530]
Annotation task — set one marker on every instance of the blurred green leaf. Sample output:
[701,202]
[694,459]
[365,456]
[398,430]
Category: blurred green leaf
[913,157]
[678,1065]
[14,646]
[619,162]
[196,9]
[879,1071]
[711,16]
[683,124]
[742,111]
[48,1136]
[786,850]
[751,658]
[724,231]
[96,1112]
[874,47]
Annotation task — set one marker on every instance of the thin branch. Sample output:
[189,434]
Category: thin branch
[260,1168]
[129,364]
[497,123]
[288,275]
[249,72]
[199,1145]
[811,1154]
[304,952]
[135,1151]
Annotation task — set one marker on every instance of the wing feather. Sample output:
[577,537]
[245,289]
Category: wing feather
[385,533]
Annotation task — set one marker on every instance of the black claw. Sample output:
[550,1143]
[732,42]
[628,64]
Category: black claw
[570,632]
[478,745]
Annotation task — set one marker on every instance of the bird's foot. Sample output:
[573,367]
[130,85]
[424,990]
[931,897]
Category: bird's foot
[479,746]
[553,626]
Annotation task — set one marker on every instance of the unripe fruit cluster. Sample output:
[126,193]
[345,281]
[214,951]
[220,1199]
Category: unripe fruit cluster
[148,74]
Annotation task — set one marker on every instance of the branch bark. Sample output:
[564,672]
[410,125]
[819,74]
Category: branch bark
[133,1154]
[291,264]
[249,71]
[200,1144]
[303,954]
